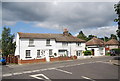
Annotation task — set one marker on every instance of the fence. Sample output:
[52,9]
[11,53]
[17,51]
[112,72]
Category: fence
[12,59]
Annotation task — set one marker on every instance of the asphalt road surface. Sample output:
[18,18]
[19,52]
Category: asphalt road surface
[91,69]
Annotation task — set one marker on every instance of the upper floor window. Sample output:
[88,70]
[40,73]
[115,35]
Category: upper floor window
[47,41]
[64,44]
[31,42]
[78,44]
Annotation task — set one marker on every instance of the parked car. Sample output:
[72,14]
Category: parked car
[3,61]
[113,52]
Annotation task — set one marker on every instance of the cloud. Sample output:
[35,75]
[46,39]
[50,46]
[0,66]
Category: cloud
[71,15]
[100,32]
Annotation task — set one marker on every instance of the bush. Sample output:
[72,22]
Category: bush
[87,52]
[107,54]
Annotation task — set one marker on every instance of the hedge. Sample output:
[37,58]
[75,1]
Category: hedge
[87,52]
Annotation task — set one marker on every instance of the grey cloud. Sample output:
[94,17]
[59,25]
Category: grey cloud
[73,15]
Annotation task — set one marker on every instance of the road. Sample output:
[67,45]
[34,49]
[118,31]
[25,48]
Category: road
[90,69]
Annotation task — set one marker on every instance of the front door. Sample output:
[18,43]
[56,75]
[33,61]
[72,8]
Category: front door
[79,53]
[47,55]
[93,51]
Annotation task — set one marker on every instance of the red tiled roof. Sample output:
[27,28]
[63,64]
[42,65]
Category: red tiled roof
[112,42]
[57,37]
[95,41]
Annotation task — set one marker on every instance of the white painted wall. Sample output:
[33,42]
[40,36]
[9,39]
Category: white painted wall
[40,44]
[112,46]
[97,50]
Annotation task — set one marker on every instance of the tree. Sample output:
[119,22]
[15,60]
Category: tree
[90,37]
[113,36]
[81,36]
[0,43]
[117,10]
[8,46]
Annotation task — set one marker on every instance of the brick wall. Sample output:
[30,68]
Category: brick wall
[31,61]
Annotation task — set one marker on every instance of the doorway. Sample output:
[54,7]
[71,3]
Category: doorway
[93,52]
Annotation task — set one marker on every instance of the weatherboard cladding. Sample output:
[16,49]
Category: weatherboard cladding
[57,37]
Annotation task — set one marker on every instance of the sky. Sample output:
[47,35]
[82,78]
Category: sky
[96,18]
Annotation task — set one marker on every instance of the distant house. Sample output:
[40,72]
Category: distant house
[97,46]
[38,46]
[111,44]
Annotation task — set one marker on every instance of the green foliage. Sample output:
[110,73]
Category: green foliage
[90,37]
[117,10]
[87,52]
[8,47]
[113,36]
[81,36]
[107,54]
[0,43]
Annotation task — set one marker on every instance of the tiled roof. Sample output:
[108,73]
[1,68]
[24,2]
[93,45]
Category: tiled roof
[112,42]
[57,37]
[95,41]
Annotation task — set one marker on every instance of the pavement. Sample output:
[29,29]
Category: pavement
[91,69]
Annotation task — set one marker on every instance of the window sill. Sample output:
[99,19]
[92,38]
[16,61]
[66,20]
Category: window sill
[31,45]
[28,57]
[48,45]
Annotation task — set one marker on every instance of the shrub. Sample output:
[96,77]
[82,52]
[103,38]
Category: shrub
[107,54]
[87,52]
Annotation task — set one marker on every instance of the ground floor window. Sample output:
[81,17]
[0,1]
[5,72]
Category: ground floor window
[79,53]
[40,53]
[28,53]
[63,52]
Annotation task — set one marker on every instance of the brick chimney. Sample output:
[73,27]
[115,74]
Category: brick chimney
[66,33]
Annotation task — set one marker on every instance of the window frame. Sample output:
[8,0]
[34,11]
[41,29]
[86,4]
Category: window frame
[64,43]
[31,43]
[78,43]
[48,42]
[28,53]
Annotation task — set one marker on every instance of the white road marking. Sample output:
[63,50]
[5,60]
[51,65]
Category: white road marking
[27,72]
[51,68]
[5,75]
[37,76]
[43,69]
[63,71]
[17,73]
[35,70]
[87,78]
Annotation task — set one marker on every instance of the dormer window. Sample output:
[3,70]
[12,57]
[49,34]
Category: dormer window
[48,42]
[64,44]
[78,44]
[31,42]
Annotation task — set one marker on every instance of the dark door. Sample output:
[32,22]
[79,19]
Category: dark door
[93,52]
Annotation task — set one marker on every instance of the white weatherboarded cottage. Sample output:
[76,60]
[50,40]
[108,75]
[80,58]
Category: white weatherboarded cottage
[97,46]
[38,46]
